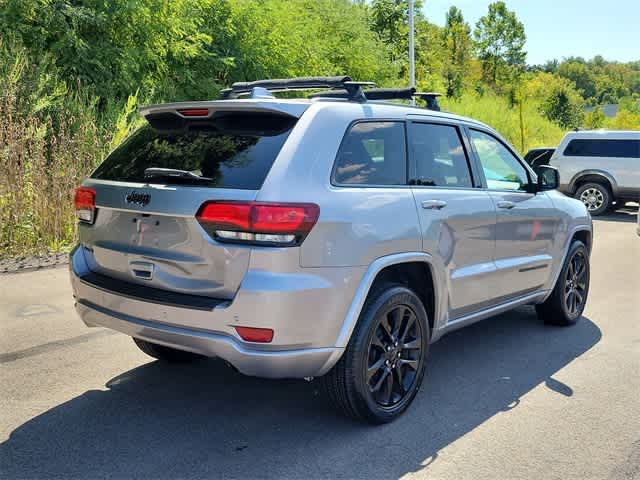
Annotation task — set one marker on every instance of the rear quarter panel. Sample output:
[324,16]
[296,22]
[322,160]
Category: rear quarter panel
[356,225]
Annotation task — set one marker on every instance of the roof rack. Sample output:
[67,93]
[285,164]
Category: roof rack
[262,88]
[342,87]
[430,98]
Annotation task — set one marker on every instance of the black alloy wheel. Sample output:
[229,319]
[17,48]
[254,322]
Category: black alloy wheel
[395,350]
[575,287]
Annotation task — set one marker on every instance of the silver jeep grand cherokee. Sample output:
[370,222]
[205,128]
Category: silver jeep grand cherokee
[334,237]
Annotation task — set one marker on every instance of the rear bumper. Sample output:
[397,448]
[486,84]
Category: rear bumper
[304,345]
[259,363]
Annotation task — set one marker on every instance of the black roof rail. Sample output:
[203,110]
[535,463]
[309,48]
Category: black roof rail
[344,82]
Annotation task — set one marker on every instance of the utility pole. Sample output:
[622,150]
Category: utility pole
[412,53]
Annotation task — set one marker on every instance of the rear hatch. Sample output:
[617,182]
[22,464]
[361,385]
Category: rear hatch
[148,191]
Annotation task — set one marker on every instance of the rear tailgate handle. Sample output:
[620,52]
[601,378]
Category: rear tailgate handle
[506,204]
[143,270]
[434,204]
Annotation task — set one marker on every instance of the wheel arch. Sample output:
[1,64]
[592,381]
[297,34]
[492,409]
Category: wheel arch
[403,268]
[583,233]
[595,176]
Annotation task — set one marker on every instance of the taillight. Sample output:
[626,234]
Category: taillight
[85,203]
[279,224]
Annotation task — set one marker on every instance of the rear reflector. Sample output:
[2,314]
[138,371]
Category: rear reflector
[251,334]
[194,112]
[85,204]
[280,224]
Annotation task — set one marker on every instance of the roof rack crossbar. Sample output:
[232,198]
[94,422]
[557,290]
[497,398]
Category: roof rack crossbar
[286,84]
[371,94]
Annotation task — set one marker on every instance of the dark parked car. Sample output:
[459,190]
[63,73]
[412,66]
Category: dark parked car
[539,156]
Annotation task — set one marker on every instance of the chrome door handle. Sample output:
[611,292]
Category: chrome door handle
[434,204]
[506,204]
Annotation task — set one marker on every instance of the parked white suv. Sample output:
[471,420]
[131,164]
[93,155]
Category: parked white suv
[599,167]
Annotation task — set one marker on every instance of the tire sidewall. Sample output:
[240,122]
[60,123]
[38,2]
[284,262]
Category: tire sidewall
[392,296]
[606,193]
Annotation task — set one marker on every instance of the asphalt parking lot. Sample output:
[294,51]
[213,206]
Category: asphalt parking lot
[505,398]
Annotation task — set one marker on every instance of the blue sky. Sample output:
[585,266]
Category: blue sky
[563,28]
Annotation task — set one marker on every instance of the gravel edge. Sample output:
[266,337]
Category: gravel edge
[31,263]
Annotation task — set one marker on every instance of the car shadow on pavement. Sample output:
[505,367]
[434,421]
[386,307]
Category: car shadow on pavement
[204,420]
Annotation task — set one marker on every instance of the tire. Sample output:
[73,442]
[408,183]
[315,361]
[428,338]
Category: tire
[166,354]
[596,197]
[558,309]
[391,314]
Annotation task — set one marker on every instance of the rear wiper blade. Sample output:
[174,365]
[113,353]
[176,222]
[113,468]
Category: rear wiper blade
[155,172]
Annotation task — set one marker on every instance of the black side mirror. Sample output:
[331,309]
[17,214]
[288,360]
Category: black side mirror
[548,177]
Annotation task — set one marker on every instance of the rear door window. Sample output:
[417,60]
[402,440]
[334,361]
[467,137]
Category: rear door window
[438,157]
[603,148]
[229,151]
[372,153]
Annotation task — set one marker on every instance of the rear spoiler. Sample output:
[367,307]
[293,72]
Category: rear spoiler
[207,109]
[223,115]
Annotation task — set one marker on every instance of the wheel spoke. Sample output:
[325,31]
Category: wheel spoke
[375,341]
[579,299]
[397,314]
[380,381]
[412,345]
[400,378]
[389,392]
[373,369]
[410,321]
[572,302]
[384,323]
[409,362]
[567,295]
[570,270]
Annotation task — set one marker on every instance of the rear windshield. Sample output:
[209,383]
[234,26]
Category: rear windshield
[229,151]
[603,148]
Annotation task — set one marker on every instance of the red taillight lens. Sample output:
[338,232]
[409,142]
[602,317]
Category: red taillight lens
[251,334]
[194,112]
[280,224]
[85,203]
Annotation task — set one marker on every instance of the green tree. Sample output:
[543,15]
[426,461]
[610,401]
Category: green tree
[563,108]
[581,75]
[456,38]
[499,40]
[594,119]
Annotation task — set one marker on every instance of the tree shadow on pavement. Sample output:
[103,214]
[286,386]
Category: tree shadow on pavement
[204,420]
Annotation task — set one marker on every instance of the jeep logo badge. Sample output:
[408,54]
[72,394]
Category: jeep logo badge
[138,198]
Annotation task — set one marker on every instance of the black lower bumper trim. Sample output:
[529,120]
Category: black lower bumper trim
[150,294]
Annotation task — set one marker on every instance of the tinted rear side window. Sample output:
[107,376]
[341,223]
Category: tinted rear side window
[603,148]
[438,158]
[372,153]
[232,151]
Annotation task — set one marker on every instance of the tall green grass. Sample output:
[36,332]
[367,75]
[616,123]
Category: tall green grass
[50,139]
[497,112]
